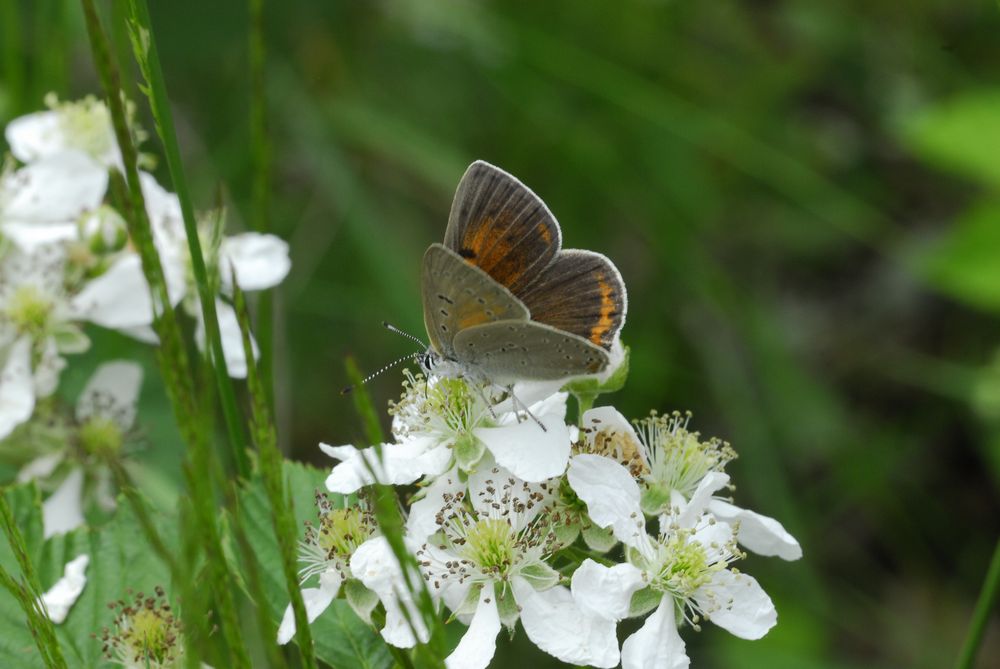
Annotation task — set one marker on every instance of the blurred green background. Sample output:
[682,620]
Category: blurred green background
[803,198]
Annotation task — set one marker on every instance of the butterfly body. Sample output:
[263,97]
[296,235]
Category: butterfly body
[503,302]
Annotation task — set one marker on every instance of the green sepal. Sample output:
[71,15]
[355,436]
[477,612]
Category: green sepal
[588,389]
[362,600]
[507,607]
[540,575]
[599,539]
[70,339]
[468,450]
[644,601]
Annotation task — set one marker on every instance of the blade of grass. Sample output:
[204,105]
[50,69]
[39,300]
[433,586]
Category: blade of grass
[28,592]
[390,520]
[282,513]
[147,56]
[981,616]
[13,54]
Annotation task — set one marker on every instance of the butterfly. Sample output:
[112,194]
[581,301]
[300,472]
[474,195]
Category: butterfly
[502,300]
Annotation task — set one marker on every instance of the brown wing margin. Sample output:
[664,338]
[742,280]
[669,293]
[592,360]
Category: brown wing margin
[499,225]
[580,292]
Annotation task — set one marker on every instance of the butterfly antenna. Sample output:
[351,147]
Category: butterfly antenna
[384,369]
[392,328]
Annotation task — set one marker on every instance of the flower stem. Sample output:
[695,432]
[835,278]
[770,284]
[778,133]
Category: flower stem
[144,45]
[987,600]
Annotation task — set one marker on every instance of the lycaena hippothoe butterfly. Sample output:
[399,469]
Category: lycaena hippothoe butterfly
[502,300]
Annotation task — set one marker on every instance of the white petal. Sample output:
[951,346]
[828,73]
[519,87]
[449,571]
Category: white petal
[422,520]
[479,643]
[760,534]
[605,591]
[736,603]
[492,495]
[61,597]
[610,493]
[112,392]
[656,645]
[528,451]
[119,298]
[40,467]
[49,367]
[31,236]
[316,601]
[56,189]
[260,261]
[17,387]
[63,510]
[700,498]
[555,624]
[232,341]
[143,333]
[34,135]
[399,464]
[375,565]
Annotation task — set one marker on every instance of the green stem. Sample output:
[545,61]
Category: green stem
[144,45]
[13,54]
[981,616]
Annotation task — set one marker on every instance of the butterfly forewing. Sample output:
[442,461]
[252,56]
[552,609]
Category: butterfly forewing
[509,350]
[458,296]
[579,292]
[499,225]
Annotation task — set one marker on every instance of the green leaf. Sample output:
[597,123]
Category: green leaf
[120,561]
[964,264]
[962,135]
[342,639]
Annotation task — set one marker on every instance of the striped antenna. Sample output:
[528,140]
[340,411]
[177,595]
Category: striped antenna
[385,368]
[392,328]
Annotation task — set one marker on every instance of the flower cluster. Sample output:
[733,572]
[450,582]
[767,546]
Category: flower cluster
[568,528]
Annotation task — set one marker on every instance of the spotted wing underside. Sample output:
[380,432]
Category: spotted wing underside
[510,350]
[458,296]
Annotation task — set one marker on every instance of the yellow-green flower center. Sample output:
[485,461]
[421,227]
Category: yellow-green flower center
[341,531]
[686,567]
[85,124]
[29,309]
[491,545]
[101,437]
[149,636]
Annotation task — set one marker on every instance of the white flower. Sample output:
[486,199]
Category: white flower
[43,202]
[684,571]
[667,459]
[488,564]
[444,423]
[259,261]
[105,414]
[83,126]
[326,552]
[377,567]
[61,597]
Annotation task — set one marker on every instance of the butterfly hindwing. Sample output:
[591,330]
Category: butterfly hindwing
[499,225]
[458,296]
[580,292]
[508,350]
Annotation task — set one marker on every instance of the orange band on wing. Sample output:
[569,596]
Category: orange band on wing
[608,308]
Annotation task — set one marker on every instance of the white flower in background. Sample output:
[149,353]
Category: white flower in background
[259,261]
[145,634]
[326,552]
[376,566]
[43,202]
[83,126]
[61,597]
[488,563]
[667,459]
[105,415]
[681,573]
[445,425]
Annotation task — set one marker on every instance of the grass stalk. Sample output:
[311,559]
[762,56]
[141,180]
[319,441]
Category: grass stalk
[147,56]
[981,616]
[282,512]
[28,591]
[13,54]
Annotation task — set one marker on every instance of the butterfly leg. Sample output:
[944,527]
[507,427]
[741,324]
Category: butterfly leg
[515,403]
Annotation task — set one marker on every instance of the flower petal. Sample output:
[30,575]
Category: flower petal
[33,136]
[399,464]
[17,387]
[760,534]
[63,510]
[375,565]
[736,603]
[656,645]
[61,597]
[260,261]
[40,467]
[528,451]
[479,643]
[554,623]
[56,189]
[605,591]
[422,520]
[316,600]
[700,498]
[611,494]
[112,392]
[117,299]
